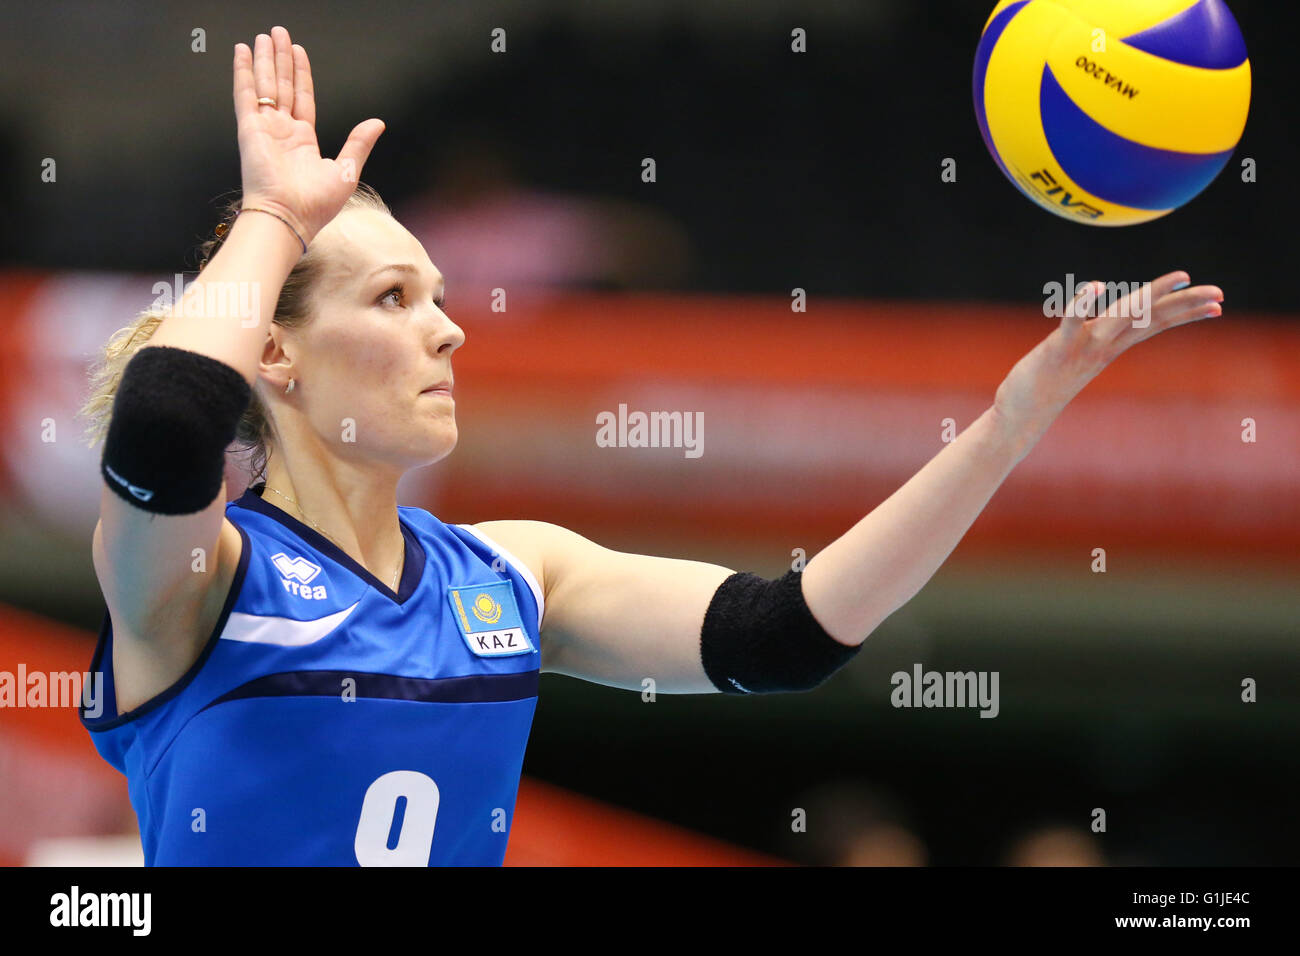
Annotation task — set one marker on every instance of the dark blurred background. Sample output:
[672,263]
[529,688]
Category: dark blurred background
[774,171]
[818,170]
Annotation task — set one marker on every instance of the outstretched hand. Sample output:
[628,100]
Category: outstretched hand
[280,159]
[1043,382]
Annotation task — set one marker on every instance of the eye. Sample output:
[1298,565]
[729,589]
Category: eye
[399,289]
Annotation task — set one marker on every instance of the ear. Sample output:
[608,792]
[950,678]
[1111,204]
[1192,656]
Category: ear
[276,366]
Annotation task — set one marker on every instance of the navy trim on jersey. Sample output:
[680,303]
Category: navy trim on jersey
[473,688]
[105,631]
[412,566]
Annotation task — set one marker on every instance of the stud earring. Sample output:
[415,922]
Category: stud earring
[289,388]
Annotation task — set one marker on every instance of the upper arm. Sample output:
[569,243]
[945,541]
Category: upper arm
[162,578]
[612,617]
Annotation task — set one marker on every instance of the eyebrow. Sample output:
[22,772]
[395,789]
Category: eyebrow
[400,267]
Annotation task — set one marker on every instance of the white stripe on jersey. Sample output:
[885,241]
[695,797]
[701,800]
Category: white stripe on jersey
[519,566]
[284,631]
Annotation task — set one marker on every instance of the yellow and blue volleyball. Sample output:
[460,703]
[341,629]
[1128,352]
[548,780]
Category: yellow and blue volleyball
[1111,112]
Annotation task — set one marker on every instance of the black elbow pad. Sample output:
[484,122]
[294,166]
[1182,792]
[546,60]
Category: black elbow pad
[174,415]
[760,638]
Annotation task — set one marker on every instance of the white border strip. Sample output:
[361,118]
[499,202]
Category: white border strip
[519,566]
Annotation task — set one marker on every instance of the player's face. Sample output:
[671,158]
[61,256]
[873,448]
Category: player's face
[373,353]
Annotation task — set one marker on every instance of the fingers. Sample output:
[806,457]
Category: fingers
[283,47]
[1192,310]
[1157,305]
[1186,304]
[264,67]
[304,95]
[1082,306]
[1178,306]
[1145,304]
[245,89]
[1167,283]
[1198,302]
[276,68]
[1149,309]
[360,142]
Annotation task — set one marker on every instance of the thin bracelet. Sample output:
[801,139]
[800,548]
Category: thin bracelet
[277,216]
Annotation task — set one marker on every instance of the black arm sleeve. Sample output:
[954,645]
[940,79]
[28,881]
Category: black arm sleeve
[174,414]
[760,638]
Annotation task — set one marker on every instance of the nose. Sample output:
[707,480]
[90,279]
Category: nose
[446,336]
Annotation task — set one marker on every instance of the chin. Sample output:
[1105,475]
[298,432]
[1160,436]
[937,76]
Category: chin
[439,449]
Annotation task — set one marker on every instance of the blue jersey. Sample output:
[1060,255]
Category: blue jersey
[331,721]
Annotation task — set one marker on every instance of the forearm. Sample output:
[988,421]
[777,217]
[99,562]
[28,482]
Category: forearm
[225,312]
[880,563]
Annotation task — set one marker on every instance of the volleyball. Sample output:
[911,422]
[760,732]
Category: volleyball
[1111,112]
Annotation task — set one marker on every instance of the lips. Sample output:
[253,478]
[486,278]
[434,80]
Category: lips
[443,388]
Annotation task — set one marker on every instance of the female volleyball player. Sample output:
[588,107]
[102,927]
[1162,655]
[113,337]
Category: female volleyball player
[311,674]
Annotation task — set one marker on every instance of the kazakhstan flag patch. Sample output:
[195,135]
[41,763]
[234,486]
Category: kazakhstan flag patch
[489,619]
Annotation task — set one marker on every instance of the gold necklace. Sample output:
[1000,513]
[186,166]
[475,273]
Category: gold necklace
[396,573]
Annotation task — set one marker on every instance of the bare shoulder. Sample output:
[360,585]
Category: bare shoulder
[534,543]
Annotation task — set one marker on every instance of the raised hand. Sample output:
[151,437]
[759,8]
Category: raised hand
[280,159]
[1042,383]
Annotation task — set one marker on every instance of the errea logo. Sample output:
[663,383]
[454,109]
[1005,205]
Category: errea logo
[296,574]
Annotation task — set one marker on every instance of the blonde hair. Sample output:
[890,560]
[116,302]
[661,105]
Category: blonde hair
[292,310]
